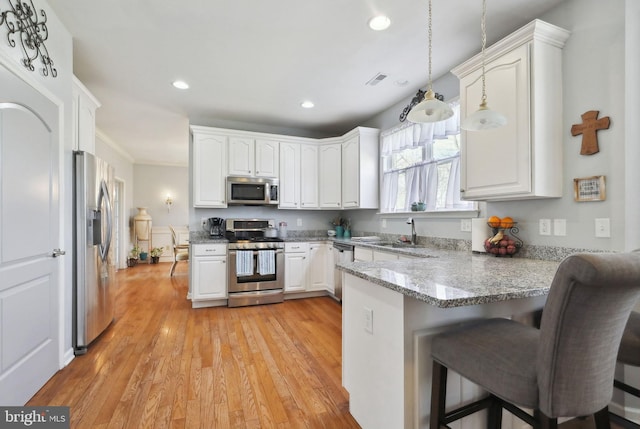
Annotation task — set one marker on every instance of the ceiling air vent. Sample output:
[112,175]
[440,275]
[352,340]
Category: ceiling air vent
[376,79]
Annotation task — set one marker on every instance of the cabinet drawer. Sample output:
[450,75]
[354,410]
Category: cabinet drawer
[209,249]
[296,247]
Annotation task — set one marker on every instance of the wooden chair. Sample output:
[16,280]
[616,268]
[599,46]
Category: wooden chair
[180,251]
[564,369]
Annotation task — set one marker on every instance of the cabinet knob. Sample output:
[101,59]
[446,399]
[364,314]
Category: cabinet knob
[461,190]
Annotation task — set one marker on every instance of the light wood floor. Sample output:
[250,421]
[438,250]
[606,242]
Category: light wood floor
[162,364]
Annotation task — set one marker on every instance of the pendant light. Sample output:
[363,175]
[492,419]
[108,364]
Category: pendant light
[484,118]
[430,109]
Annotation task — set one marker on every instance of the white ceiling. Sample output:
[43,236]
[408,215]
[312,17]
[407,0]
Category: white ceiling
[255,61]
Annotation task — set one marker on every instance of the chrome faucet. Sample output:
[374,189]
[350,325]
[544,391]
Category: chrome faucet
[414,236]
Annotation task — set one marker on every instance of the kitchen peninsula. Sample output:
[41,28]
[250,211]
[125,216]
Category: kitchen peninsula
[391,310]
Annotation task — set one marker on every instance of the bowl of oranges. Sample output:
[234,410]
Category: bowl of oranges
[501,244]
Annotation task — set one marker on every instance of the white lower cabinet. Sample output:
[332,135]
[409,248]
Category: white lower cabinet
[208,274]
[295,266]
[318,278]
[308,267]
[362,255]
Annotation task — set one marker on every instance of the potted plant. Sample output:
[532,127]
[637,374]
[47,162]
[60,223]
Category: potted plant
[337,222]
[155,254]
[132,260]
[346,224]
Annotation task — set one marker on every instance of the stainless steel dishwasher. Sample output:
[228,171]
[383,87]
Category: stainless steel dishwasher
[342,252]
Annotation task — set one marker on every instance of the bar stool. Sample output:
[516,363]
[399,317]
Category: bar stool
[629,354]
[564,369]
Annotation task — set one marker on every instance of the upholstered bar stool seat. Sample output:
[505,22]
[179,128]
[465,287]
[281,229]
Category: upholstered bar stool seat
[565,368]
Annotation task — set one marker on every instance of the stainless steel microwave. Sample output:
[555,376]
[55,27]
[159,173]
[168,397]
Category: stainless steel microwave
[256,191]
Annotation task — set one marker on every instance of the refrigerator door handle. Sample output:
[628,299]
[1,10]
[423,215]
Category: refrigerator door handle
[104,196]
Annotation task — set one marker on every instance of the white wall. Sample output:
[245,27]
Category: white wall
[595,59]
[152,184]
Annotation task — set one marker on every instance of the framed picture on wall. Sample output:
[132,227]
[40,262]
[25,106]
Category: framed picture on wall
[589,188]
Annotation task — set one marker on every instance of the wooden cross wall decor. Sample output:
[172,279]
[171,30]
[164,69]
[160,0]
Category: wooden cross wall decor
[590,124]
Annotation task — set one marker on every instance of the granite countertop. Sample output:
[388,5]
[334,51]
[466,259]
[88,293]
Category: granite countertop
[455,279]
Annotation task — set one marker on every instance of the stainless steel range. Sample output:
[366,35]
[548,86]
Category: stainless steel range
[255,263]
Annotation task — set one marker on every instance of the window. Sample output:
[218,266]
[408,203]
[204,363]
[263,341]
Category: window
[421,163]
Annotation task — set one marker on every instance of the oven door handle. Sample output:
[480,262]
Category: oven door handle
[255,251]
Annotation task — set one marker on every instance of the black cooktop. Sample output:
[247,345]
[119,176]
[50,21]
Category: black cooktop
[234,239]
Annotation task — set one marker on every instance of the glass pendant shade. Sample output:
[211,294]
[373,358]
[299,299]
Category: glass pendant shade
[430,110]
[483,119]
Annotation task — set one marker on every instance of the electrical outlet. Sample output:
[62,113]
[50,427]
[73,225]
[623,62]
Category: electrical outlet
[545,226]
[384,223]
[560,227]
[465,225]
[603,227]
[299,222]
[368,319]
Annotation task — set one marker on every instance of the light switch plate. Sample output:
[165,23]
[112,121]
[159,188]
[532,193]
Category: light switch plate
[603,227]
[384,223]
[299,222]
[368,319]
[545,226]
[465,225]
[560,227]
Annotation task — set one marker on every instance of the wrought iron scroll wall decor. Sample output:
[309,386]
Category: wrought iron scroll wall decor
[29,26]
[415,100]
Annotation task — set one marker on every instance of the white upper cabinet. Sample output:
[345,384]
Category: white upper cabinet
[522,160]
[330,183]
[209,168]
[360,169]
[308,176]
[289,176]
[241,156]
[313,174]
[84,118]
[256,158]
[267,158]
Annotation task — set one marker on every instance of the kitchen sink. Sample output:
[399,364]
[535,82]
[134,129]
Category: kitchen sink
[400,245]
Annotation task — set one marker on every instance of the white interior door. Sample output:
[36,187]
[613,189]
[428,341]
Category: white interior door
[29,231]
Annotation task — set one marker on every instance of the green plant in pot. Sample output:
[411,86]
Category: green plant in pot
[155,254]
[132,260]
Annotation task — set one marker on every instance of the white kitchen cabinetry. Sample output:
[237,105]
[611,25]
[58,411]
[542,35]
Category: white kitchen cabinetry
[330,183]
[522,160]
[362,254]
[241,156]
[384,256]
[330,267]
[295,266]
[308,176]
[319,275]
[209,167]
[360,169]
[208,274]
[289,176]
[84,106]
[251,157]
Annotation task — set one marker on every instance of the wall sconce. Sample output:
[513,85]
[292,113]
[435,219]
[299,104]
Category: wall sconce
[168,202]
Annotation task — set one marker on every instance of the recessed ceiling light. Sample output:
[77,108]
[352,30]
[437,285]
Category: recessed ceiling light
[180,84]
[401,82]
[379,23]
[307,104]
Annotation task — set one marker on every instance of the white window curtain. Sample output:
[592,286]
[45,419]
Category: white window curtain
[420,180]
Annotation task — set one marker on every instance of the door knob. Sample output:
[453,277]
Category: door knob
[58,252]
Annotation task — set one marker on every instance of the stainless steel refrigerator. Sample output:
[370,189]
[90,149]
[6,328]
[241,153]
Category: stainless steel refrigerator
[94,265]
